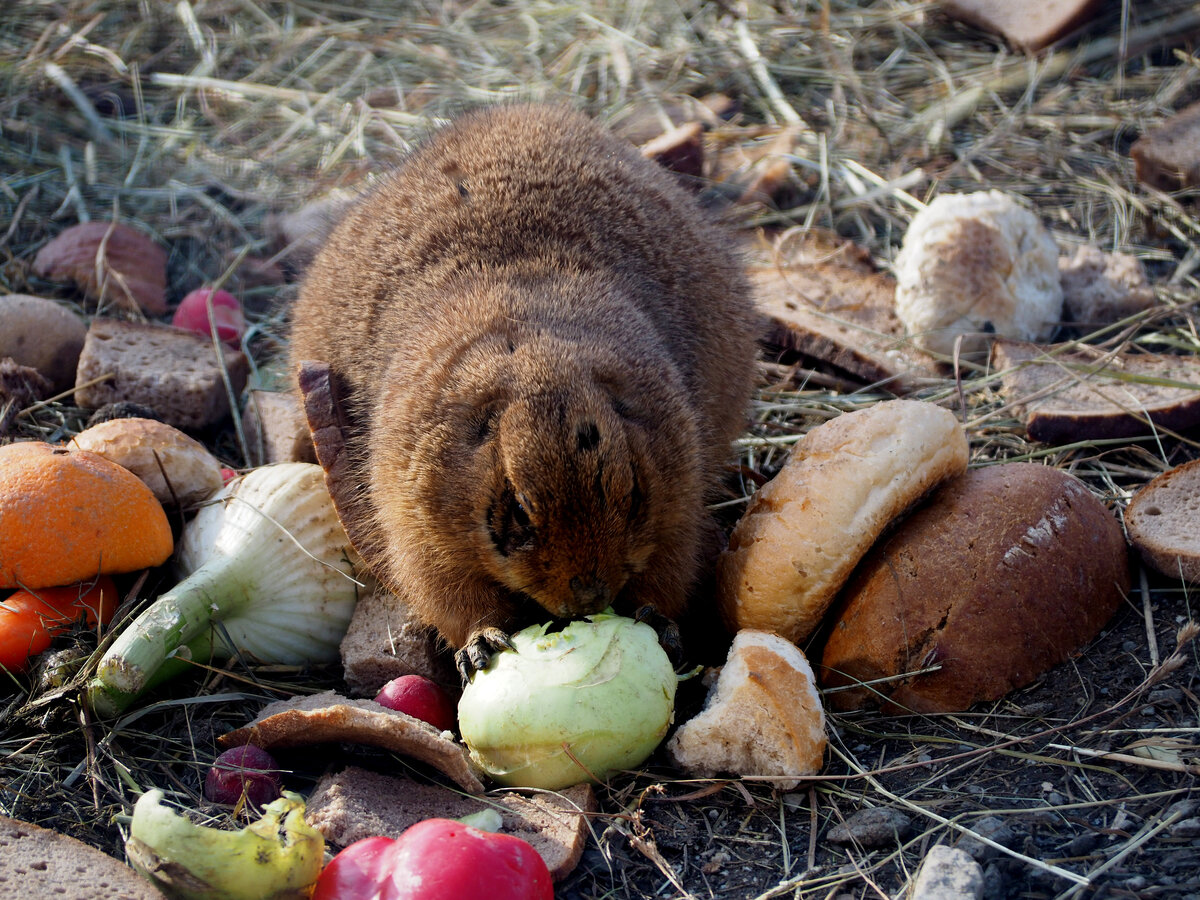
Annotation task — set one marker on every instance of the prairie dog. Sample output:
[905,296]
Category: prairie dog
[548,349]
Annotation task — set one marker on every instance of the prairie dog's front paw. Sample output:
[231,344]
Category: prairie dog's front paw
[668,632]
[477,652]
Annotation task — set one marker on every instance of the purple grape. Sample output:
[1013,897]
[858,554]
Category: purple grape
[246,769]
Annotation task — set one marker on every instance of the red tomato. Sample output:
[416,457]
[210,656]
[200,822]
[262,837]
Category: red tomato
[437,859]
[29,620]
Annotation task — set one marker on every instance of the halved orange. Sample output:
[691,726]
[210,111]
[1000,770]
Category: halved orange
[69,515]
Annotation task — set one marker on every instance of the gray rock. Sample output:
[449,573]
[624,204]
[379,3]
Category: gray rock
[993,828]
[947,873]
[874,827]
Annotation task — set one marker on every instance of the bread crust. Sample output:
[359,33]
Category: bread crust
[807,528]
[547,350]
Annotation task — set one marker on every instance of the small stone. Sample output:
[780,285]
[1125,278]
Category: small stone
[994,829]
[874,827]
[1081,844]
[1186,829]
[947,873]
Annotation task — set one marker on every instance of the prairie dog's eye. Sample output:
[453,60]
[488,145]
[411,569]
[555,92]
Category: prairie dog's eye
[509,522]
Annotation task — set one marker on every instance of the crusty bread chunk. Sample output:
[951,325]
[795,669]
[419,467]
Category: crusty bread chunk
[807,528]
[1004,573]
[38,863]
[762,717]
[1163,521]
[356,803]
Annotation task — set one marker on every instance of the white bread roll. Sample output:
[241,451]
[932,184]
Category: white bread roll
[762,717]
[807,528]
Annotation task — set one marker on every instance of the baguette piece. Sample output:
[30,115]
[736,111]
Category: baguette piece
[1163,522]
[808,527]
[762,717]
[1078,395]
[356,803]
[1005,572]
[38,863]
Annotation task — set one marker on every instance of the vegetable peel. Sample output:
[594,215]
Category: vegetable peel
[278,857]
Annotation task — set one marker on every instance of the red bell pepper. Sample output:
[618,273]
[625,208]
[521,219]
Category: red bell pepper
[437,859]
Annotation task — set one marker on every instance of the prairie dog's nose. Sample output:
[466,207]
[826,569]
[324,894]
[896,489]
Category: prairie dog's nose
[591,593]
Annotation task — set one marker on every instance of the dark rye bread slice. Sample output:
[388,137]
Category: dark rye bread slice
[828,305]
[1067,395]
[329,717]
[36,864]
[1163,522]
[356,803]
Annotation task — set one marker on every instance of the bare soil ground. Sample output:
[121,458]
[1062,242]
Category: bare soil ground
[200,121]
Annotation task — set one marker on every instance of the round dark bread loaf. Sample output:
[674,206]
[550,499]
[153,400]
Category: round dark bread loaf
[36,862]
[1163,520]
[1004,573]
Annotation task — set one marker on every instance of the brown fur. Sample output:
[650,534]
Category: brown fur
[548,350]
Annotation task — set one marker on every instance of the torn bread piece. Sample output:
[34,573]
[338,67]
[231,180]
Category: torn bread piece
[356,803]
[328,716]
[762,717]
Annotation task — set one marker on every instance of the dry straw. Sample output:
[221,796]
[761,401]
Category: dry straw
[201,121]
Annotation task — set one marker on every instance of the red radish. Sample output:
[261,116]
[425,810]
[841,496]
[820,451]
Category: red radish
[437,859]
[242,770]
[192,315]
[227,474]
[420,698]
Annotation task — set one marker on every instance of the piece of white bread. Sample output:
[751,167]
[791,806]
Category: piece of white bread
[356,803]
[38,863]
[1163,522]
[807,528]
[762,717]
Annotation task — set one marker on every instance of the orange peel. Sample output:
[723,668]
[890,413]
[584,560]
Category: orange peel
[69,515]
